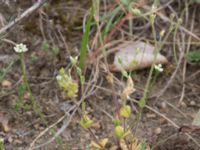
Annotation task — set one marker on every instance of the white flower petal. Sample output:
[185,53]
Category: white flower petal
[19,48]
[58,77]
[158,68]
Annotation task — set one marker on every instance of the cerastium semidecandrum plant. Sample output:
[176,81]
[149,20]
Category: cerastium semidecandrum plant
[21,49]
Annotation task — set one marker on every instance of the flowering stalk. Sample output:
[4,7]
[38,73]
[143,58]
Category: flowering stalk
[158,69]
[21,49]
[23,68]
[142,101]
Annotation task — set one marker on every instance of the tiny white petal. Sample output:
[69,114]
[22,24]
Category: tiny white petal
[58,77]
[158,68]
[19,48]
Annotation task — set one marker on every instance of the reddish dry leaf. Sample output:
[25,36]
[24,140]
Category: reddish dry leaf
[189,129]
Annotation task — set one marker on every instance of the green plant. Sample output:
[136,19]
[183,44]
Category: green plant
[55,51]
[58,139]
[46,46]
[158,46]
[193,56]
[4,71]
[34,58]
[2,144]
[20,104]
[67,84]
[121,128]
[21,49]
[85,39]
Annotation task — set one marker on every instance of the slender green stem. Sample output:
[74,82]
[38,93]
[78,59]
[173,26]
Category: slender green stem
[174,45]
[36,106]
[2,144]
[153,83]
[157,49]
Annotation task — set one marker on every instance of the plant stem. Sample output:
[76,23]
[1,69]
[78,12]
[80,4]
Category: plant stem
[153,83]
[36,106]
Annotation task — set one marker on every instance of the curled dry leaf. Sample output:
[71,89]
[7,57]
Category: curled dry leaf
[123,145]
[128,90]
[4,122]
[189,129]
[136,56]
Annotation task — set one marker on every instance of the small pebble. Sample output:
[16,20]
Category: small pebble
[96,125]
[163,105]
[27,95]
[10,139]
[157,131]
[6,84]
[148,115]
[192,103]
[36,126]
[183,104]
[163,121]
[18,141]
[41,128]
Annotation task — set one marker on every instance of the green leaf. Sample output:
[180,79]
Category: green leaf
[125,2]
[119,132]
[197,1]
[196,120]
[67,84]
[2,144]
[34,58]
[55,51]
[124,73]
[193,56]
[142,103]
[111,21]
[85,39]
[143,145]
[45,45]
[125,111]
[4,71]
[86,122]
[116,122]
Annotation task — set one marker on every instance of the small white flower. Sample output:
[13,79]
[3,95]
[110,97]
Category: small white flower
[158,68]
[73,60]
[1,140]
[162,33]
[20,48]
[154,7]
[58,77]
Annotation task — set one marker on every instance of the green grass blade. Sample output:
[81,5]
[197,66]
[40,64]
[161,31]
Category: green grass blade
[84,42]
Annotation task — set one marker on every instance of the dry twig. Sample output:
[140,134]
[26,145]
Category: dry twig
[27,13]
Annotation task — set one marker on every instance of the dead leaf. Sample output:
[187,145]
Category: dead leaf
[189,129]
[135,145]
[128,90]
[135,56]
[123,145]
[110,78]
[4,122]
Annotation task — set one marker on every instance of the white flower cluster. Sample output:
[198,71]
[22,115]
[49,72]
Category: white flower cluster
[158,68]
[20,48]
[58,77]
